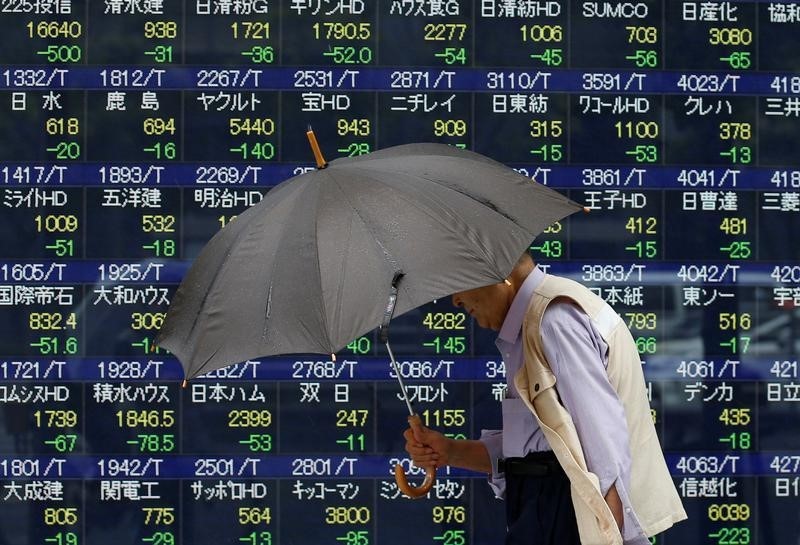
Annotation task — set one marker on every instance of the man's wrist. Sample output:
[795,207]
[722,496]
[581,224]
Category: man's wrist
[454,456]
[469,455]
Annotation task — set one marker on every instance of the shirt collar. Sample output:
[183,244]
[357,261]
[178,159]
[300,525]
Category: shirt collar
[512,324]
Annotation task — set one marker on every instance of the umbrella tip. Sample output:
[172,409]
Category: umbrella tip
[184,383]
[333,356]
[586,209]
[312,140]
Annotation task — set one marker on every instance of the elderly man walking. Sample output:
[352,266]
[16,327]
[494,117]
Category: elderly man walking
[578,460]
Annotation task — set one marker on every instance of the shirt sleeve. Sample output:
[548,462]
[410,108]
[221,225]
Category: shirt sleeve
[578,357]
[493,441]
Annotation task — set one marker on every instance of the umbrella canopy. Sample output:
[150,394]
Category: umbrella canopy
[309,268]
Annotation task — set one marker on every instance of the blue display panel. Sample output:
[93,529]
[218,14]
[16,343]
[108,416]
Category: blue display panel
[133,130]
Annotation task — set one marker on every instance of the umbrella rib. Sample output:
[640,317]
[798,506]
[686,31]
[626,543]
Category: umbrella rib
[342,270]
[319,265]
[268,306]
[269,301]
[386,254]
[211,286]
[197,373]
[487,203]
[222,267]
[219,273]
[366,223]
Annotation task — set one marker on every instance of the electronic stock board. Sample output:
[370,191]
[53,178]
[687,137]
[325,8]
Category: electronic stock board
[133,130]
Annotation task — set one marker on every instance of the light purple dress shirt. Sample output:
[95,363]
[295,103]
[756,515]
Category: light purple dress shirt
[578,357]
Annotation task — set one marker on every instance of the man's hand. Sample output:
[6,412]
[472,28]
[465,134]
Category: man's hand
[427,447]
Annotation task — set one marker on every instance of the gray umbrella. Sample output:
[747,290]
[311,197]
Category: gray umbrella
[310,268]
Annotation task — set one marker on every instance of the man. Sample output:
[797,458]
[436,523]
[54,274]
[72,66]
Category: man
[574,408]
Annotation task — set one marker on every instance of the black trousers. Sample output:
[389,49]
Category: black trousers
[539,507]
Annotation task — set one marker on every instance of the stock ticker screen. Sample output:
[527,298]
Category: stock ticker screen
[131,131]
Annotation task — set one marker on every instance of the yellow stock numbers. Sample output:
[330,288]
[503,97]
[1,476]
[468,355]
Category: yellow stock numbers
[727,512]
[56,223]
[157,126]
[735,416]
[734,320]
[342,31]
[356,127]
[347,515]
[733,226]
[60,418]
[642,34]
[730,36]
[255,515]
[444,417]
[735,131]
[56,126]
[158,223]
[160,30]
[52,321]
[159,515]
[54,29]
[146,418]
[60,516]
[542,33]
[641,320]
[445,32]
[351,417]
[546,128]
[249,418]
[225,220]
[449,514]
[449,127]
[250,30]
[445,320]
[147,320]
[637,129]
[554,228]
[261,126]
[641,226]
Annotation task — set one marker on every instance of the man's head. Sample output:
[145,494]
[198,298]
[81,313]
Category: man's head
[489,304]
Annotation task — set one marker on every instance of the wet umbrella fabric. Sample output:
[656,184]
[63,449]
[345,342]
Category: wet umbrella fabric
[309,268]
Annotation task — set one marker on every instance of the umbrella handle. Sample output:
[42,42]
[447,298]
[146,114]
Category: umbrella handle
[410,491]
[400,476]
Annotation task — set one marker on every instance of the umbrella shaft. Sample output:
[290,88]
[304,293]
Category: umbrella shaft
[400,380]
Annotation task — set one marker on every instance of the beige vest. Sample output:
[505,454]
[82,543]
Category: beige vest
[652,493]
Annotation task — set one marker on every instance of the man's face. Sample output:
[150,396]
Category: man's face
[488,305]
